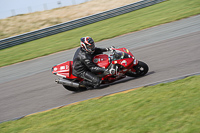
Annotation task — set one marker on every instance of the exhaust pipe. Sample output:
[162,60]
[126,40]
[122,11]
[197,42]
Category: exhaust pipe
[68,83]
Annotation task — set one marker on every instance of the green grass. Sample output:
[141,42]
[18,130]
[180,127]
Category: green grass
[168,11]
[172,107]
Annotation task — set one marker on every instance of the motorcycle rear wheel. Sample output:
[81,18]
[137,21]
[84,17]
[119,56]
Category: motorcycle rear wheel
[141,69]
[69,88]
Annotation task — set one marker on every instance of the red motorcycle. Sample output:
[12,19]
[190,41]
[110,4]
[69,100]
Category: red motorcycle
[119,64]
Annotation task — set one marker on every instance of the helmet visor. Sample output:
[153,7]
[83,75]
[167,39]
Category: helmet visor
[91,48]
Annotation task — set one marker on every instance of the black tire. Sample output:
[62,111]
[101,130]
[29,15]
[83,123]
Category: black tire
[141,69]
[69,88]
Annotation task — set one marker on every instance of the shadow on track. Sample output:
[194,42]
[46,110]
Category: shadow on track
[103,86]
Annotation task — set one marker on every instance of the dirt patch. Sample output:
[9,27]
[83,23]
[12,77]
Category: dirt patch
[33,21]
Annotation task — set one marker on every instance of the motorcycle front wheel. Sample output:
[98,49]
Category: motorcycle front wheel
[140,70]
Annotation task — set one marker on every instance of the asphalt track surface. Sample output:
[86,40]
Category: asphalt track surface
[171,50]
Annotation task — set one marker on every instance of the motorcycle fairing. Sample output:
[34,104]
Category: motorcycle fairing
[124,62]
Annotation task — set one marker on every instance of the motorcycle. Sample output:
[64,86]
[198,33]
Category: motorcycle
[118,64]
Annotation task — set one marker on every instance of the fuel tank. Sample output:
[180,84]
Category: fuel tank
[102,60]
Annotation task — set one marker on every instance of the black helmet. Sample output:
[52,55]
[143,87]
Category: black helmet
[87,43]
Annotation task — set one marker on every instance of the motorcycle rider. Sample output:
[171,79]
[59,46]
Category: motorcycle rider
[83,65]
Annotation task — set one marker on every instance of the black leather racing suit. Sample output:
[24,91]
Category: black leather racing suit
[84,67]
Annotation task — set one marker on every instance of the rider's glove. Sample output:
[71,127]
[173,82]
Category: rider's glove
[110,48]
[112,71]
[109,71]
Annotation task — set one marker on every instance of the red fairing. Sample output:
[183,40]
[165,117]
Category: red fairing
[101,60]
[124,62]
[64,70]
[135,61]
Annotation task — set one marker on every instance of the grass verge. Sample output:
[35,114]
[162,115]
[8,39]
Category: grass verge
[170,107]
[168,11]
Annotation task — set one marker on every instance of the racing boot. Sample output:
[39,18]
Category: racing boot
[87,84]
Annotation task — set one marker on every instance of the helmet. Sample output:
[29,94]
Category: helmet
[87,43]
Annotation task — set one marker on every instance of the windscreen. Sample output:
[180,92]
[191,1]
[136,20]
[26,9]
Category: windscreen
[118,55]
